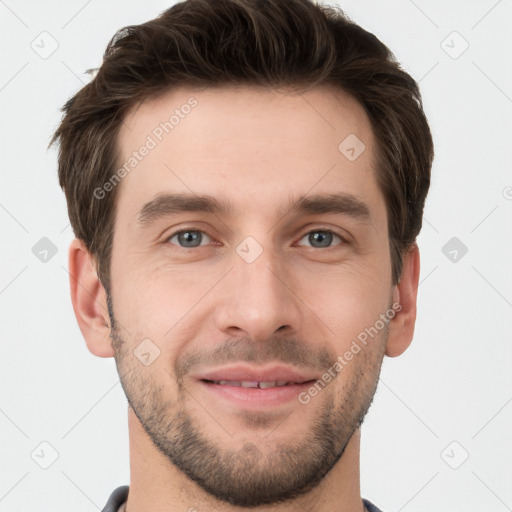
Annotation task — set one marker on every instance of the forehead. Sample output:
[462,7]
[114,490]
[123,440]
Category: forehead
[247,141]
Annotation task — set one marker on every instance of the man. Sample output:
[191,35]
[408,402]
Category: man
[246,181]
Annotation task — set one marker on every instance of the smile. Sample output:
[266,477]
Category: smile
[251,384]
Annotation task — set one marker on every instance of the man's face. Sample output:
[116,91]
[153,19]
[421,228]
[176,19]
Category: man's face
[263,293]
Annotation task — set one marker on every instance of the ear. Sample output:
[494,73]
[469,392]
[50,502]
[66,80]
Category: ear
[89,300]
[401,326]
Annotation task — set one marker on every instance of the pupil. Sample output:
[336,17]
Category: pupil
[323,238]
[190,238]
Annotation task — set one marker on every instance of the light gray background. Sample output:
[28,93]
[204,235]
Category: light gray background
[452,384]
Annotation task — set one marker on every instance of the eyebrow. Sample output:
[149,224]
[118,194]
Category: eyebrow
[168,204]
[343,203]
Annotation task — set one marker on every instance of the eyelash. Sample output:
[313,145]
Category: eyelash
[317,230]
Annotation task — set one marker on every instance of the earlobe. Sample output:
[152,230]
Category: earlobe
[401,327]
[89,300]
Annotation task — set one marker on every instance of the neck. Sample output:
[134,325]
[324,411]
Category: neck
[156,485]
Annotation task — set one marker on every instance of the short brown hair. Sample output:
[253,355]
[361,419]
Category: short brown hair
[251,42]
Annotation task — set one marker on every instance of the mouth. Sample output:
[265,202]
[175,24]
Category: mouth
[254,395]
[255,384]
[256,388]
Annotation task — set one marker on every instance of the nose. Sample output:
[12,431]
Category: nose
[257,299]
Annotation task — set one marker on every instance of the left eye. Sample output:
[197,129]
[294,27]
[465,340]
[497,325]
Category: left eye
[321,238]
[190,238]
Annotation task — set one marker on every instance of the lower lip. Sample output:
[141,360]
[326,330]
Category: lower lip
[256,397]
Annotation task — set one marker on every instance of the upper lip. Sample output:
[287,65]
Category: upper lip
[257,374]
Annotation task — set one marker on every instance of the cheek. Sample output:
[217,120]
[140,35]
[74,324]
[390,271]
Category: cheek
[347,301]
[152,302]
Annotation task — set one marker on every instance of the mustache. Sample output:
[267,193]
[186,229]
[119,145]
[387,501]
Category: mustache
[277,349]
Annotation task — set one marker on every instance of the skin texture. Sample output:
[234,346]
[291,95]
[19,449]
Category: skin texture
[296,304]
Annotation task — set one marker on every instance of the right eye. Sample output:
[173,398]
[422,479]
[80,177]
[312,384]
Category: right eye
[189,238]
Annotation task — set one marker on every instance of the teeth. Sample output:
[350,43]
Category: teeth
[249,383]
[264,385]
[252,383]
